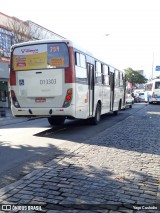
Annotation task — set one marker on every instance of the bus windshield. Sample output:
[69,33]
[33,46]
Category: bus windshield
[40,56]
[157,85]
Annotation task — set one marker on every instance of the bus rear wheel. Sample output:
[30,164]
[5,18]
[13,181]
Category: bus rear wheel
[56,120]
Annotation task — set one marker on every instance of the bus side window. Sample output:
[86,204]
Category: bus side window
[77,59]
[121,79]
[98,72]
[81,71]
[82,61]
[117,78]
[105,75]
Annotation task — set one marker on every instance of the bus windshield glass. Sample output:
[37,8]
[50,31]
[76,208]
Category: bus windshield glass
[157,85]
[40,56]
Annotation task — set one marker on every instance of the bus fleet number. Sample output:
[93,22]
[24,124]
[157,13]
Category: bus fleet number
[48,81]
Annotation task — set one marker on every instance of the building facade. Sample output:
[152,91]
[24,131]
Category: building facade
[5,44]
[14,30]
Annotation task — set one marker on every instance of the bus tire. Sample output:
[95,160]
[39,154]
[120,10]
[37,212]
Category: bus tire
[95,120]
[115,112]
[57,121]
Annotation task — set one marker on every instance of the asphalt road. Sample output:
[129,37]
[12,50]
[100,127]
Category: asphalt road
[28,145]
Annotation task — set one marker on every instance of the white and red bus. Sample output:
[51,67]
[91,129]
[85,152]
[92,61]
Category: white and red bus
[152,91]
[58,80]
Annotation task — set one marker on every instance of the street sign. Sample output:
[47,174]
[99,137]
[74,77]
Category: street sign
[157,68]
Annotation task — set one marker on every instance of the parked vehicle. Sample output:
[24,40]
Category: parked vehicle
[141,97]
[138,91]
[129,100]
[136,97]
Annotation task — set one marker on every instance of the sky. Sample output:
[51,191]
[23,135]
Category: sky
[123,33]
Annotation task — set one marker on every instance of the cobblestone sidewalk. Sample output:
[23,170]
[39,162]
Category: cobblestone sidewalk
[117,171]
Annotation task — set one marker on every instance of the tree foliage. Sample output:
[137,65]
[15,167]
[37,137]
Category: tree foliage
[134,76]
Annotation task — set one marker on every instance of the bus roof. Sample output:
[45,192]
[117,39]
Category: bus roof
[43,41]
[70,43]
[153,80]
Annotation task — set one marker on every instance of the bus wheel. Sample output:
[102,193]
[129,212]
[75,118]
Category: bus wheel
[56,120]
[115,112]
[95,120]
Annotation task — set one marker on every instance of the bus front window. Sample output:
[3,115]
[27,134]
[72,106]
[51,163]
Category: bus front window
[157,85]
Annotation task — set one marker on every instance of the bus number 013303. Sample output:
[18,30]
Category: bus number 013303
[48,81]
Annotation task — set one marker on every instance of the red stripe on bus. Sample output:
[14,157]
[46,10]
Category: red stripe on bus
[12,78]
[69,71]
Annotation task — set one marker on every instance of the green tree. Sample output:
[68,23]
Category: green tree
[134,76]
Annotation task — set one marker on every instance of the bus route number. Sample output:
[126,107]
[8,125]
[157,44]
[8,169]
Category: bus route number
[54,49]
[48,81]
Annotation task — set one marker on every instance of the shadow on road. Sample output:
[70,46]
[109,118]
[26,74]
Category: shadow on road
[133,132]
[33,157]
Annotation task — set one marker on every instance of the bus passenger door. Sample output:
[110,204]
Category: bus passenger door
[90,71]
[111,91]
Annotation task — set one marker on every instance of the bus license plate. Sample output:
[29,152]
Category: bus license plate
[40,100]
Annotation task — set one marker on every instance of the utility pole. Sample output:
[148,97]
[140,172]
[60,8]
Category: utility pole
[152,64]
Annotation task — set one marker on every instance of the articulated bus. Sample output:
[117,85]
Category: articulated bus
[152,91]
[58,80]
